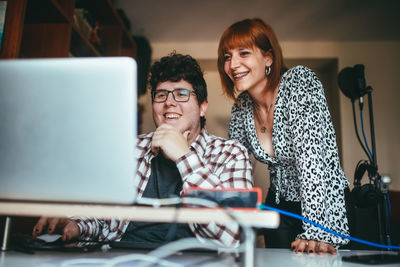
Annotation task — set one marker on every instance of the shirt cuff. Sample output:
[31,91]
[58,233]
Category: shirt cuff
[83,228]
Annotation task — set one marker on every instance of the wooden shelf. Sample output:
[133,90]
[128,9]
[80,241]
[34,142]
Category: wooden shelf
[46,28]
[80,45]
[46,11]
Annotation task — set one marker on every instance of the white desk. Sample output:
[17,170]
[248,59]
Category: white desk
[264,257]
[255,218]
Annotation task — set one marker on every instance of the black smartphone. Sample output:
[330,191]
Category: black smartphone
[373,259]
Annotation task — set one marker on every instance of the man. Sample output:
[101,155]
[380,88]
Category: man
[180,153]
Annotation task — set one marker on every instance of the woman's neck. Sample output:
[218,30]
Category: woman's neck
[263,99]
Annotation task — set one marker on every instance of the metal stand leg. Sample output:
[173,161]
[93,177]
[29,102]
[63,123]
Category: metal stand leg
[249,247]
[7,231]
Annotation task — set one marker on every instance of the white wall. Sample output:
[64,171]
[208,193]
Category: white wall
[381,61]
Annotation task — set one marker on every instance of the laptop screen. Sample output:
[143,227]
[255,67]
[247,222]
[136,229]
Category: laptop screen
[68,130]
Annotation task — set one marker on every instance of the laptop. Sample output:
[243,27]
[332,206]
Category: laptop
[68,129]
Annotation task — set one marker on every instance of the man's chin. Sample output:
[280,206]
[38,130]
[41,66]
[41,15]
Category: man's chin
[174,123]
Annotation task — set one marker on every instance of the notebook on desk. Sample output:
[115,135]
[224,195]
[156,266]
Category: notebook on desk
[68,130]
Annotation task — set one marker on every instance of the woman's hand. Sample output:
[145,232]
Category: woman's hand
[312,246]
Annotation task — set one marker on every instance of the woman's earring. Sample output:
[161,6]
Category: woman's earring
[267,70]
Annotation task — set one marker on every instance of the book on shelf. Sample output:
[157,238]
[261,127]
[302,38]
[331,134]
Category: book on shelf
[3,8]
[81,22]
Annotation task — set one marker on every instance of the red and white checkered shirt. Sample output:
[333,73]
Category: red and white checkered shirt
[213,163]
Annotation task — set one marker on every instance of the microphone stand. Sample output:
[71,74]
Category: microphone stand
[381,185]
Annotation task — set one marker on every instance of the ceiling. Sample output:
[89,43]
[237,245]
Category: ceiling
[293,20]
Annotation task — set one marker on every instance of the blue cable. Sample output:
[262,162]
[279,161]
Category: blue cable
[388,222]
[265,207]
[365,139]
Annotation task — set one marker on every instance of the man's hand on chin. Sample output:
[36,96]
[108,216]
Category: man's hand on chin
[171,141]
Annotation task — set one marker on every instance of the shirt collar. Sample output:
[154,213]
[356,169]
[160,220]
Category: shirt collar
[200,143]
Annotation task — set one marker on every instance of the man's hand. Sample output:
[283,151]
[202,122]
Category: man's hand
[66,227]
[312,246]
[171,142]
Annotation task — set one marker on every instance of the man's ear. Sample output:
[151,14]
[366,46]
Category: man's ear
[203,108]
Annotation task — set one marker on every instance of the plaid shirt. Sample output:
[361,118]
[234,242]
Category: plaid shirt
[213,163]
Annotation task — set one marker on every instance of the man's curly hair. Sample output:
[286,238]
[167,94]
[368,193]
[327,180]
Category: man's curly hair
[176,67]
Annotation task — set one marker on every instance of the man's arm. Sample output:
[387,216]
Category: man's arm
[222,164]
[92,229]
[81,229]
[227,166]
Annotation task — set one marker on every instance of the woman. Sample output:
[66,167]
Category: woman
[282,117]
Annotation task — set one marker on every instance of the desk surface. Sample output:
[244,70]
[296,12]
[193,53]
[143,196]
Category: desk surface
[255,218]
[263,257]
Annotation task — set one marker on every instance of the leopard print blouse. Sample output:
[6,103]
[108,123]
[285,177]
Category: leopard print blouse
[306,165]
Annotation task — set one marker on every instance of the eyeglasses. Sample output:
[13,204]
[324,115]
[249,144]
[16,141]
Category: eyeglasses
[179,95]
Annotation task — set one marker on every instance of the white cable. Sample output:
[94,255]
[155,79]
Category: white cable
[249,240]
[81,261]
[120,259]
[194,242]
[157,202]
[183,244]
[157,255]
[149,259]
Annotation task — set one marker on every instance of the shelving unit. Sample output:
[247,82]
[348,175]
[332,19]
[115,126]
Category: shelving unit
[46,28]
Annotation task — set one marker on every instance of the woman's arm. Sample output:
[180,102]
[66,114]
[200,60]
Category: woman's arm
[321,177]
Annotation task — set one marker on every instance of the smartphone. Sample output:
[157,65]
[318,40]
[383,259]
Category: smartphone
[227,197]
[373,259]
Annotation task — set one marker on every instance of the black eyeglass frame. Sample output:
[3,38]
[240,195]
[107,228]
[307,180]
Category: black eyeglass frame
[153,93]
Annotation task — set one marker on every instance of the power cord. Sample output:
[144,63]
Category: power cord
[365,138]
[358,136]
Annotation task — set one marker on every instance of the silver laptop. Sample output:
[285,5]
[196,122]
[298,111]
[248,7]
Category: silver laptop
[68,130]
